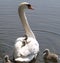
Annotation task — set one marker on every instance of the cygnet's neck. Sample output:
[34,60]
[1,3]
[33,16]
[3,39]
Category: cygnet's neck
[24,21]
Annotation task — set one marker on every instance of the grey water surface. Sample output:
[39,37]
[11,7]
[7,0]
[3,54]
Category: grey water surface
[44,20]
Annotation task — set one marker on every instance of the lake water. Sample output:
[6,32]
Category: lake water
[44,21]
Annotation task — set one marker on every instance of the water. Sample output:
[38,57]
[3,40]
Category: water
[44,21]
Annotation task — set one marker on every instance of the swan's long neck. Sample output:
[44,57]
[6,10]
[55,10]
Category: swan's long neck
[24,21]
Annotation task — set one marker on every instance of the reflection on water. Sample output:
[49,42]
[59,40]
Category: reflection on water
[44,21]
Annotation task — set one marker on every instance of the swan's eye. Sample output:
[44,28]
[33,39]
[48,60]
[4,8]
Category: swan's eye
[28,5]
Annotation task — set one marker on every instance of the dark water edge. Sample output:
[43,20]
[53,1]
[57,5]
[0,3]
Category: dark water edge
[44,21]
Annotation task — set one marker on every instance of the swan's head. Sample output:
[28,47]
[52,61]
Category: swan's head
[46,51]
[25,5]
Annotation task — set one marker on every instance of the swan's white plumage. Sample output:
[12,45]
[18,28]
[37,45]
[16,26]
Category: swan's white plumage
[30,50]
[23,3]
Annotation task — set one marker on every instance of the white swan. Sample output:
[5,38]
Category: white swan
[31,48]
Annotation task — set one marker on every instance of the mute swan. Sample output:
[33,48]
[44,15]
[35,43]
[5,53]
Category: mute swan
[30,49]
[50,57]
[6,59]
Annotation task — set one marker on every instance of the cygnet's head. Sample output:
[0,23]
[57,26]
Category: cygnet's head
[46,51]
[6,58]
[25,5]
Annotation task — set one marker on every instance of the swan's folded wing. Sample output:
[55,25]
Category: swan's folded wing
[24,51]
[30,48]
[18,43]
